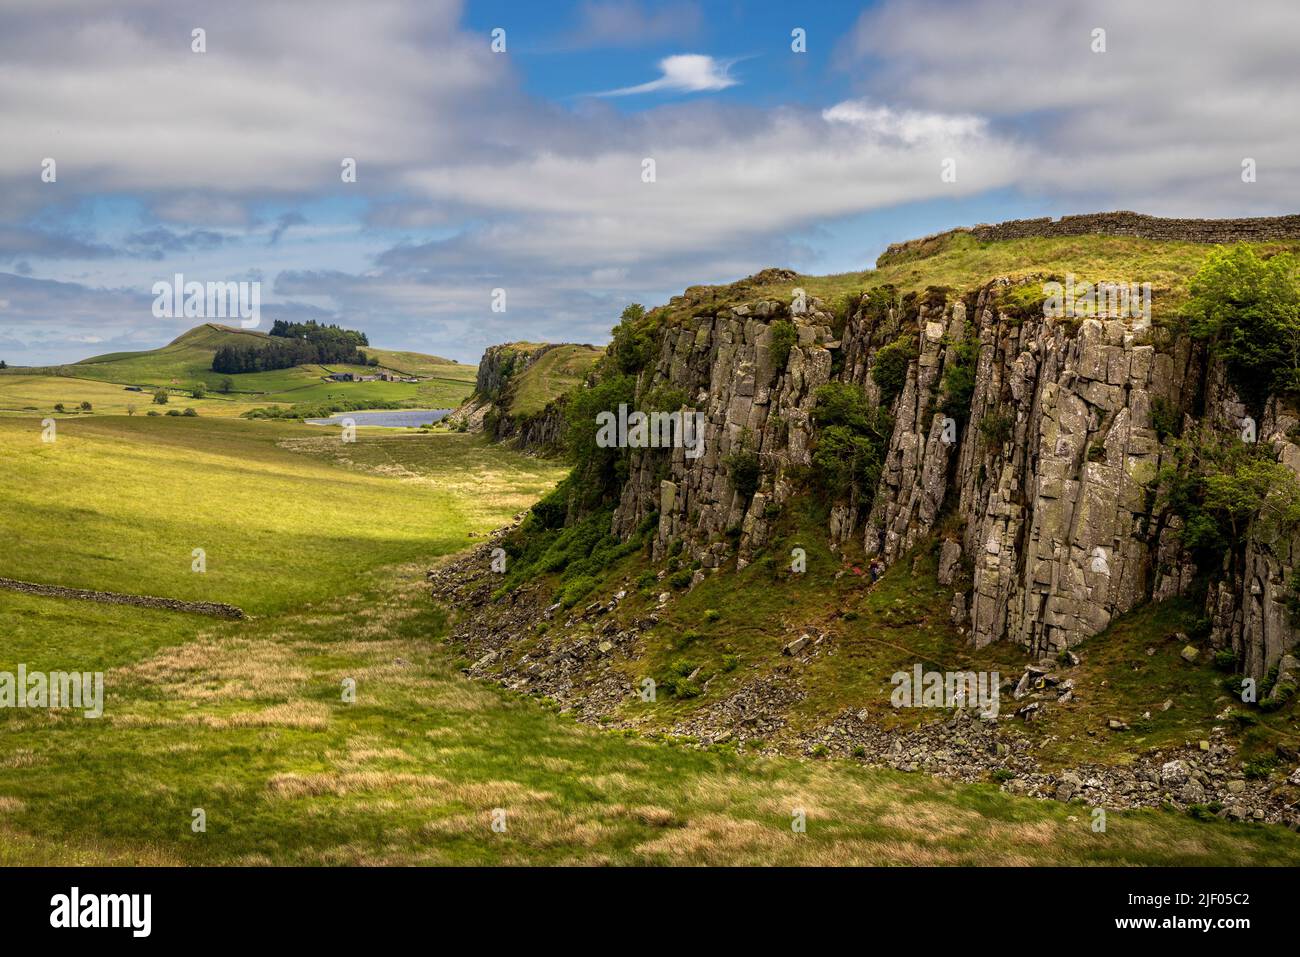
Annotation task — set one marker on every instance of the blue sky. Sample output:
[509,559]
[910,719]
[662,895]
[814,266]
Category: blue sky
[522,170]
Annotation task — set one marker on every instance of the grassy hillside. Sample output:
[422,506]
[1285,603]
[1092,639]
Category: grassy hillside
[187,361]
[131,499]
[556,372]
[246,720]
[962,262]
[184,360]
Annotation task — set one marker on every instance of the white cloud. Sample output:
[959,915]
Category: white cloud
[1160,121]
[909,126]
[684,73]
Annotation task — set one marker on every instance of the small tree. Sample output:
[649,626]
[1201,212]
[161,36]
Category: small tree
[130,408]
[227,385]
[199,390]
[160,397]
[1248,310]
[58,407]
[86,407]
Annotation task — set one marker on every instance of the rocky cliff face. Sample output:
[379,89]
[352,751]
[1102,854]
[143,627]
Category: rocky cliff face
[1044,496]
[724,364]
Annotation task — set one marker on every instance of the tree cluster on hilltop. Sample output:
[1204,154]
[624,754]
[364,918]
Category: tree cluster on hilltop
[292,344]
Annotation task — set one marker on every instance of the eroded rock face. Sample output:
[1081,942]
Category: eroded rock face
[1058,522]
[1049,481]
[724,364]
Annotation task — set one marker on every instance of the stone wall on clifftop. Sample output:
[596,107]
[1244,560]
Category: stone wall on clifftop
[1122,223]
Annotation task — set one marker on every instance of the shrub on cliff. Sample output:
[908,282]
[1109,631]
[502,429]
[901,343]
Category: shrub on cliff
[959,380]
[784,336]
[633,341]
[744,467]
[600,470]
[1224,490]
[851,441]
[890,369]
[1248,310]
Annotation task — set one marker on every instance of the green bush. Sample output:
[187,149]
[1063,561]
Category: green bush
[681,580]
[850,444]
[784,336]
[1247,309]
[664,398]
[1165,418]
[996,429]
[745,470]
[890,368]
[959,380]
[633,341]
[577,590]
[191,413]
[160,396]
[1223,489]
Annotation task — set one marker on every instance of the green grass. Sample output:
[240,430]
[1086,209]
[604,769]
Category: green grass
[126,501]
[964,263]
[187,361]
[32,394]
[327,543]
[555,373]
[246,722]
[184,360]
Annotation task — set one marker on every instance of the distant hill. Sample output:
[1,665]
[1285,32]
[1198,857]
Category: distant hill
[186,361]
[187,358]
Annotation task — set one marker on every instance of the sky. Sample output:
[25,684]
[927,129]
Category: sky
[504,146]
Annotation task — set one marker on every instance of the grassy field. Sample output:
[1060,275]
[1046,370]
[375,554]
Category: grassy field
[30,394]
[326,545]
[186,362]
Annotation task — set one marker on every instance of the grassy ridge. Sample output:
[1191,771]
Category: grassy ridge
[555,373]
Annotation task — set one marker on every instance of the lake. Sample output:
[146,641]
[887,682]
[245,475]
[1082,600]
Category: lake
[392,418]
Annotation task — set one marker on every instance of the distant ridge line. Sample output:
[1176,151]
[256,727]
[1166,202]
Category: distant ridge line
[1119,223]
